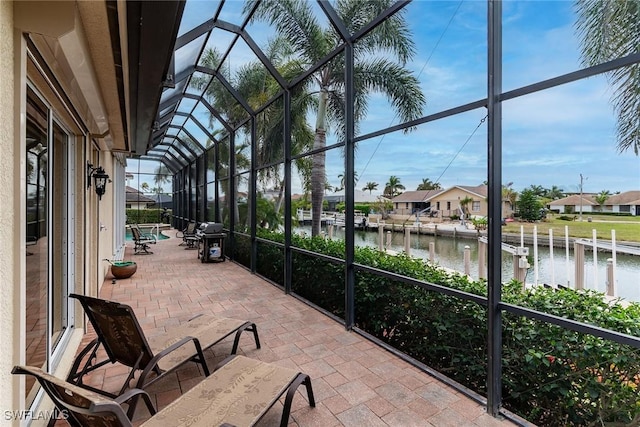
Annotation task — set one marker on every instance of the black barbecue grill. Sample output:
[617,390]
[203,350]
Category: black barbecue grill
[210,242]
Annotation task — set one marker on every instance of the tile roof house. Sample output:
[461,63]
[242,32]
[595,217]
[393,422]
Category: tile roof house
[627,202]
[411,202]
[136,199]
[447,202]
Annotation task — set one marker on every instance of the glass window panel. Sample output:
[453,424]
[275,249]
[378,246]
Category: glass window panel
[206,118]
[243,149]
[540,41]
[211,202]
[223,157]
[449,60]
[270,203]
[169,108]
[304,97]
[454,146]
[211,165]
[393,311]
[242,208]
[197,12]
[192,144]
[186,105]
[320,23]
[270,134]
[58,316]
[199,80]
[223,202]
[242,249]
[200,136]
[226,104]
[594,379]
[302,189]
[216,46]
[270,262]
[37,225]
[181,153]
[187,55]
[248,75]
[170,92]
[309,271]
[232,12]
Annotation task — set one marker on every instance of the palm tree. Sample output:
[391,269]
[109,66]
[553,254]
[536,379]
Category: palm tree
[555,193]
[393,187]
[341,177]
[427,184]
[609,30]
[253,83]
[370,186]
[162,176]
[601,198]
[311,42]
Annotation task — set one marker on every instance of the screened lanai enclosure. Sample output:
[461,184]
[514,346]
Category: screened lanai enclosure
[269,107]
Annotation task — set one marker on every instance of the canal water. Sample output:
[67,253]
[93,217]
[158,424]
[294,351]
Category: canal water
[449,253]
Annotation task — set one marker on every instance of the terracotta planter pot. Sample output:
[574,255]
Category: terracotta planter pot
[123,270]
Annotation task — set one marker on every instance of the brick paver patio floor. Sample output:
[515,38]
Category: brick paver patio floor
[355,382]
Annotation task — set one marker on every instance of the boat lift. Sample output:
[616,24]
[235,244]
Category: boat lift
[520,262]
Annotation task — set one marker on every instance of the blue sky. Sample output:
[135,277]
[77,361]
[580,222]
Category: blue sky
[549,138]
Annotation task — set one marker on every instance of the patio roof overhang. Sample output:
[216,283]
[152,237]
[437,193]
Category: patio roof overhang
[151,34]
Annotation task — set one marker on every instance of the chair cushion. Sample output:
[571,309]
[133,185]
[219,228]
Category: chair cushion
[238,393]
[208,329]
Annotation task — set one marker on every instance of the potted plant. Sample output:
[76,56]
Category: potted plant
[122,269]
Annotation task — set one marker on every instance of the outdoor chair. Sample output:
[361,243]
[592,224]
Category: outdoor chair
[147,236]
[141,243]
[188,236]
[239,392]
[119,333]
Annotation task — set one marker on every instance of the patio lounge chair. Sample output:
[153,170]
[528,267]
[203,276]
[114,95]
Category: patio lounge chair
[120,334]
[146,236]
[141,243]
[188,235]
[238,393]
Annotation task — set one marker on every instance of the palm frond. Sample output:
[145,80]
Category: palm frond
[400,86]
[295,20]
[610,29]
[392,35]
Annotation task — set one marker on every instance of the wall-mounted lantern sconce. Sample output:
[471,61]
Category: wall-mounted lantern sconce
[100,178]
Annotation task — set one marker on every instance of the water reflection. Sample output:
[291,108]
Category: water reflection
[449,253]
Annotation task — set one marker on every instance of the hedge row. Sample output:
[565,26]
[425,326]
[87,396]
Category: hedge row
[144,216]
[551,376]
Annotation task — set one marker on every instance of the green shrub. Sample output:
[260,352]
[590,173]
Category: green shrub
[551,376]
[144,216]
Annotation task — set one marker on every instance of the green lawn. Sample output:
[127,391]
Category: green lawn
[627,227]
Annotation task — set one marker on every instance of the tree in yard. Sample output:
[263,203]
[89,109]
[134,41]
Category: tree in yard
[393,187]
[144,187]
[538,190]
[427,184]
[609,30]
[374,70]
[255,85]
[464,205]
[341,177]
[511,195]
[601,198]
[370,186]
[529,205]
[162,176]
[554,193]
